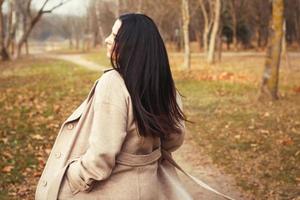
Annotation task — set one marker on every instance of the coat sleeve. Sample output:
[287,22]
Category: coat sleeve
[174,141]
[107,135]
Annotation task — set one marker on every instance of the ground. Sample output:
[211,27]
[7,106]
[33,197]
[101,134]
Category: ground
[244,148]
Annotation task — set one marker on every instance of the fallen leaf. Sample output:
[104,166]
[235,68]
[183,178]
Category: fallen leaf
[286,141]
[7,168]
[37,137]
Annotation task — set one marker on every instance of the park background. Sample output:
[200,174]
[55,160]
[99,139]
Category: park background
[235,61]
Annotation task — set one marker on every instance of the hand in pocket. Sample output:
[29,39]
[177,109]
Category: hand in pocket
[74,190]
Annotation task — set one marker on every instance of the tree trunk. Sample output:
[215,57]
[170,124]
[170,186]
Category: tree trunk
[70,42]
[258,38]
[12,27]
[100,30]
[219,44]
[199,39]
[33,21]
[234,24]
[284,48]
[26,47]
[27,33]
[77,42]
[186,21]
[206,26]
[297,24]
[269,87]
[214,33]
[4,52]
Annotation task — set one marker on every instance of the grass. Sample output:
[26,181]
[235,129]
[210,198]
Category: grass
[98,57]
[33,99]
[257,142]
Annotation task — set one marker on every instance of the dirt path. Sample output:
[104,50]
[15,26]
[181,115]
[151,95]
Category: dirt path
[78,60]
[188,156]
[199,165]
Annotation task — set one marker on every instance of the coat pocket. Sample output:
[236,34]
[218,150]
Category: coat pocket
[66,188]
[72,189]
[66,191]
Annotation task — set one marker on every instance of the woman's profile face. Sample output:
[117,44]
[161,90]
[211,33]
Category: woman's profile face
[109,41]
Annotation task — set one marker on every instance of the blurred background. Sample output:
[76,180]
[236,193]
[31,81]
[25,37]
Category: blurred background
[235,61]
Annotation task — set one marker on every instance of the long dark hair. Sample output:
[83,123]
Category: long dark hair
[140,56]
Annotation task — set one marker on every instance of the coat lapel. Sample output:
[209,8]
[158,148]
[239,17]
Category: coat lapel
[79,110]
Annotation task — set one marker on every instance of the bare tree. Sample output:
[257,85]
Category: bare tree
[259,16]
[72,27]
[269,87]
[244,22]
[99,28]
[292,16]
[186,21]
[234,22]
[167,22]
[96,18]
[208,21]
[214,32]
[12,26]
[33,21]
[4,52]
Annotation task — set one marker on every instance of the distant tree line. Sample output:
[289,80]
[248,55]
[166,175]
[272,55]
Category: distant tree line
[238,24]
[17,20]
[243,23]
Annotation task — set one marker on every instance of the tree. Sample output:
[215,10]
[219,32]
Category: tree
[269,87]
[259,17]
[208,22]
[12,26]
[292,17]
[99,30]
[214,32]
[4,52]
[72,28]
[244,22]
[234,22]
[33,20]
[186,21]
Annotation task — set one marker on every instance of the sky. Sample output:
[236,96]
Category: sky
[73,7]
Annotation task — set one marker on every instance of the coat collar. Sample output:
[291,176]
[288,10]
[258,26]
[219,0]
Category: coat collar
[108,69]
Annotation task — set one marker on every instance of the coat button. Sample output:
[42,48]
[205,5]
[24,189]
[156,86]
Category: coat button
[70,126]
[44,183]
[57,154]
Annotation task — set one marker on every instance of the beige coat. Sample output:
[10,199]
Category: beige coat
[98,153]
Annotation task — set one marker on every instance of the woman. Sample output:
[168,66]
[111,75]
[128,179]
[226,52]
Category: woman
[117,144]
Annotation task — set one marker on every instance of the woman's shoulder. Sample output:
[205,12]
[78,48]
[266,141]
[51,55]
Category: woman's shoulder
[112,76]
[111,82]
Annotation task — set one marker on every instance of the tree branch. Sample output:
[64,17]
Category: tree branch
[28,8]
[56,6]
[1,2]
[42,8]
